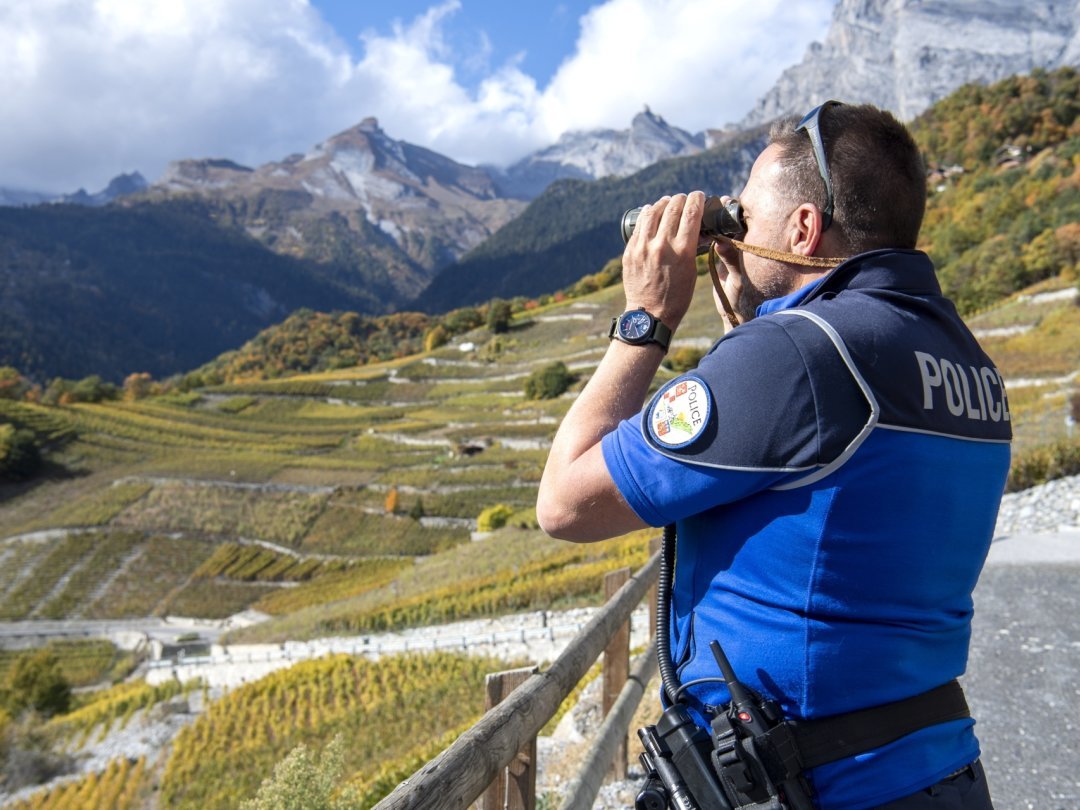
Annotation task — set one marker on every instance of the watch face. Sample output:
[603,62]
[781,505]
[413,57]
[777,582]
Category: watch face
[635,325]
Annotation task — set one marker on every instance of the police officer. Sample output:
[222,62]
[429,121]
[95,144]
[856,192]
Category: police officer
[833,466]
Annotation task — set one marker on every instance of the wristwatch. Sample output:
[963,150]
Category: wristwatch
[637,327]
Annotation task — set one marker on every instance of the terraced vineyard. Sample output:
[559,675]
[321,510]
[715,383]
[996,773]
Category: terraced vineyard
[344,478]
[345,503]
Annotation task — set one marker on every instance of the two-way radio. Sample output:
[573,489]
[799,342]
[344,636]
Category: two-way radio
[750,759]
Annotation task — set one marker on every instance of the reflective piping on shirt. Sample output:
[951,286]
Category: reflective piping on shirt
[875,408]
[883,426]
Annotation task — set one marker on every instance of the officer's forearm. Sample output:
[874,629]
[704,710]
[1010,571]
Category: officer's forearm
[578,499]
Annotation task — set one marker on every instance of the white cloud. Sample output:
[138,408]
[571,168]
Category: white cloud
[700,63]
[90,88]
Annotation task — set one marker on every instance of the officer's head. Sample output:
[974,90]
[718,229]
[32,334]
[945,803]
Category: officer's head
[872,165]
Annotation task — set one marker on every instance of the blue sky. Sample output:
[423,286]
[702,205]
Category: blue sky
[538,35]
[93,88]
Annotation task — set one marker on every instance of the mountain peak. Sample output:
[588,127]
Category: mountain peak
[597,153]
[647,118]
[202,173]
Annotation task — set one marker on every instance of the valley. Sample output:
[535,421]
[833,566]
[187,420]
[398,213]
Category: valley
[247,525]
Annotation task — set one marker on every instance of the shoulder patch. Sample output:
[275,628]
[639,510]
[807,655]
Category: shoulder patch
[680,412]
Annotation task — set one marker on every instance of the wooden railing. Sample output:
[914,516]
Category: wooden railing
[504,738]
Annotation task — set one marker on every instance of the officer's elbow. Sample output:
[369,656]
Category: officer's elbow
[558,518]
[550,515]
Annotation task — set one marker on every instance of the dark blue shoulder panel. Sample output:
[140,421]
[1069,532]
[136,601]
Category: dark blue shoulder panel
[781,397]
[927,371]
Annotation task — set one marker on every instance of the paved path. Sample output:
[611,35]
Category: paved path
[1023,680]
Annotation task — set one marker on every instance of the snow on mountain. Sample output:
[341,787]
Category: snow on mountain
[592,154]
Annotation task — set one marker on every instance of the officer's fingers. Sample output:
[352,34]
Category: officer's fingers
[727,254]
[668,227]
[653,216]
[690,219]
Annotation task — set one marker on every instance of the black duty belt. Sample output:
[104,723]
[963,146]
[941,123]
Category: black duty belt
[828,739]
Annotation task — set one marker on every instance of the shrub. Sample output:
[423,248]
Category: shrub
[435,338]
[88,389]
[548,382]
[26,757]
[305,780]
[524,519]
[684,359]
[499,313]
[34,682]
[138,386]
[494,517]
[1041,464]
[12,384]
[20,456]
[462,320]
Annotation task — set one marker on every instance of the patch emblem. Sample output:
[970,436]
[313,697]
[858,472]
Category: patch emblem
[680,412]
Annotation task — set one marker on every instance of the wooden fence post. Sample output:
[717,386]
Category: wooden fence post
[514,788]
[454,779]
[616,665]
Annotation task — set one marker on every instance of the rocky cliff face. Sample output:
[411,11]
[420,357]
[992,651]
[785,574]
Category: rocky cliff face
[906,54]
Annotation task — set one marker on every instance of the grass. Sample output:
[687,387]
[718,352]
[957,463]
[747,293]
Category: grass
[214,599]
[280,517]
[346,528]
[1051,349]
[98,507]
[515,557]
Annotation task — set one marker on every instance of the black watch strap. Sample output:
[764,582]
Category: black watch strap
[660,334]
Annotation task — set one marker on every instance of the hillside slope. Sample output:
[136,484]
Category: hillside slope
[573,227]
[155,288]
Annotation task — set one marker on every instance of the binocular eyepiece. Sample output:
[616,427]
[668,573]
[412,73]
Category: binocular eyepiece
[718,219]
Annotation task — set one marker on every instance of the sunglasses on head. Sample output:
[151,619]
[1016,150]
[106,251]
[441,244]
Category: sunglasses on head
[812,124]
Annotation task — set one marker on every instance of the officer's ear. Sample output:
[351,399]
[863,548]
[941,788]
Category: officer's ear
[804,233]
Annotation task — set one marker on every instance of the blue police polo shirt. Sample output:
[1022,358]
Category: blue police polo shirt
[834,468]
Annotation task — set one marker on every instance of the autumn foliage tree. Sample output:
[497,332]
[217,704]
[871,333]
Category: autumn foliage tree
[138,386]
[392,501]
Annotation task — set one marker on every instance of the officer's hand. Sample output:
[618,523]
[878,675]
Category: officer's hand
[659,267]
[731,275]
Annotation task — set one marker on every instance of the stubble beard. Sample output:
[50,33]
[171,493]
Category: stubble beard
[773,281]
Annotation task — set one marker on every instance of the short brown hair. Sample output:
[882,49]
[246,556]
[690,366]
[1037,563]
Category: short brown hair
[877,173]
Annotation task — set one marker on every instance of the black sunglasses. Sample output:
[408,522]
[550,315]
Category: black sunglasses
[811,123]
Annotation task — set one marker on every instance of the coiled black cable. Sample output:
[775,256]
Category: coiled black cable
[663,615]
